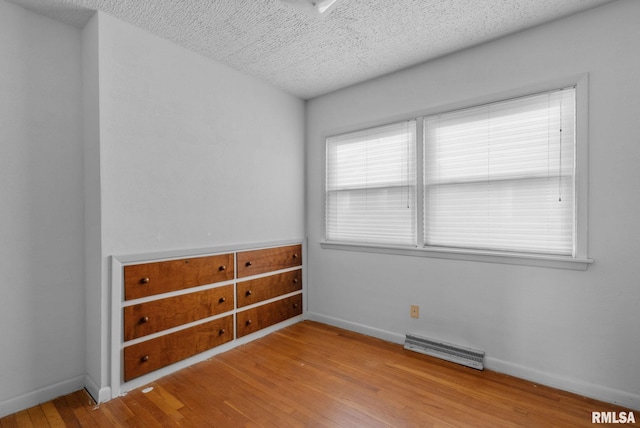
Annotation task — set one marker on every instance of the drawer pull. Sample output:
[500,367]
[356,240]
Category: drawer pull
[248,293]
[295,280]
[223,267]
[248,263]
[144,320]
[248,322]
[295,256]
[144,359]
[222,300]
[145,280]
[221,332]
[295,305]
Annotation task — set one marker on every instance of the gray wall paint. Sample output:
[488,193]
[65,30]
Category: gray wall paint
[181,153]
[576,330]
[92,203]
[41,209]
[192,154]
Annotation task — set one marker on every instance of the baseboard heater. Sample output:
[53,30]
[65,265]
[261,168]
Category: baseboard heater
[446,351]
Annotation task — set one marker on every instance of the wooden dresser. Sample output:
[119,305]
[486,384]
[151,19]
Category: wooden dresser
[177,308]
[251,318]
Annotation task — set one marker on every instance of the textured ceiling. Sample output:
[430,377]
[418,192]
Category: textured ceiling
[307,56]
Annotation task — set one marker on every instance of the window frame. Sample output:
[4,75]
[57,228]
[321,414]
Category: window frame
[579,261]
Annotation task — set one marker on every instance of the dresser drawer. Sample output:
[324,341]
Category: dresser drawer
[257,318]
[158,315]
[160,277]
[153,354]
[267,260]
[268,287]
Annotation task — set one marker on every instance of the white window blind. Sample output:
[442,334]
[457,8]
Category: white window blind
[501,176]
[371,185]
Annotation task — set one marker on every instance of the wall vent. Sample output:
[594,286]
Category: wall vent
[456,354]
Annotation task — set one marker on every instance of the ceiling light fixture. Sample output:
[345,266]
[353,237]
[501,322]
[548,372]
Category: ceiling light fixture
[314,8]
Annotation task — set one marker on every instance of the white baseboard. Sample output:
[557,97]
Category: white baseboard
[99,395]
[358,328]
[598,392]
[591,390]
[41,395]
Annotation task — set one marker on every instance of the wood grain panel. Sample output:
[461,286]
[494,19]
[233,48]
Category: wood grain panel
[268,287]
[260,317]
[153,354]
[150,317]
[160,277]
[269,259]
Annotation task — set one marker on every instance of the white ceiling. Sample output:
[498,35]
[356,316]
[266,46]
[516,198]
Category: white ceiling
[306,56]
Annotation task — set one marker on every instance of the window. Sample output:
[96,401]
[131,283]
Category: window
[501,176]
[371,185]
[497,180]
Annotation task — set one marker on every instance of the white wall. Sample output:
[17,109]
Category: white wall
[181,153]
[575,330]
[193,154]
[41,210]
[94,293]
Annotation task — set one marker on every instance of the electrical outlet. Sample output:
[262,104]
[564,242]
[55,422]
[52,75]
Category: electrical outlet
[415,311]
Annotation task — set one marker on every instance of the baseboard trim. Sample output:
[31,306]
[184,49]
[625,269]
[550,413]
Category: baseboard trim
[99,395]
[598,392]
[41,395]
[591,390]
[358,328]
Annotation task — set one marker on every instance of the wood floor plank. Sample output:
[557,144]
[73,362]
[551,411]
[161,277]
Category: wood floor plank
[52,415]
[344,389]
[306,415]
[243,400]
[152,404]
[66,412]
[81,404]
[37,417]
[110,419]
[314,375]
[121,413]
[204,397]
[273,392]
[357,388]
[302,389]
[23,419]
[8,421]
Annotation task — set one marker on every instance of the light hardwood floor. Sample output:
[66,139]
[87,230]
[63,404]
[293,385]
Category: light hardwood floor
[313,375]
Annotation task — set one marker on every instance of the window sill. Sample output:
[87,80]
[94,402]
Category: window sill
[556,262]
